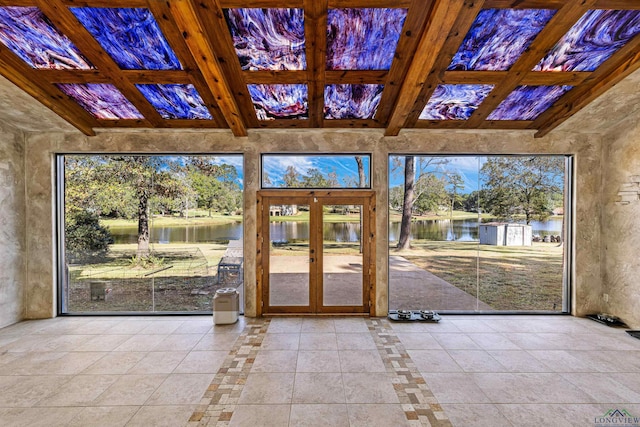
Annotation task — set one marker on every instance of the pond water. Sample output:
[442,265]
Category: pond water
[443,229]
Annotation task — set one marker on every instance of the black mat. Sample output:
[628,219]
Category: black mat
[635,334]
[413,316]
[608,320]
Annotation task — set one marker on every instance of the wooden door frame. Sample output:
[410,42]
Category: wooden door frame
[266,197]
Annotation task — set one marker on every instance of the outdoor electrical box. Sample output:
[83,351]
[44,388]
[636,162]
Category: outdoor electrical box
[226,306]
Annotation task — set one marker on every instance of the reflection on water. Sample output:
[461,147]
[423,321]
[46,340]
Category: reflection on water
[287,231]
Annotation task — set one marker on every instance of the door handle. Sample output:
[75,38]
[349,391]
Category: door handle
[310,259]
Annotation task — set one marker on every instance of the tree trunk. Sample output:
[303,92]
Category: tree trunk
[404,241]
[143,224]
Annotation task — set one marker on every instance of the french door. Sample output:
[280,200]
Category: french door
[315,251]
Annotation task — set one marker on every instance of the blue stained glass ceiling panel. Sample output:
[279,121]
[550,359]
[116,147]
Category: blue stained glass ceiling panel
[528,102]
[455,102]
[287,101]
[351,101]
[268,39]
[592,40]
[31,36]
[103,101]
[498,37]
[363,39]
[175,101]
[131,36]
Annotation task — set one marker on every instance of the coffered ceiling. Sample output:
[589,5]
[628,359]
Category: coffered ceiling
[390,64]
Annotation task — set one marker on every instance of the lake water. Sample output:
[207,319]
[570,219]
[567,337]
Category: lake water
[442,229]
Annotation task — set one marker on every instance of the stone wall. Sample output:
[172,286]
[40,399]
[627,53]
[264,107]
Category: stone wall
[12,226]
[587,149]
[621,223]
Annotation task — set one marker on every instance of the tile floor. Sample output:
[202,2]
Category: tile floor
[183,371]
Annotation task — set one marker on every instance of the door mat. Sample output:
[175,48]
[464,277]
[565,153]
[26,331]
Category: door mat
[635,334]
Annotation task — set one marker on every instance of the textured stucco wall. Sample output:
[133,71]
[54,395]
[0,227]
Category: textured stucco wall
[41,147]
[12,226]
[621,223]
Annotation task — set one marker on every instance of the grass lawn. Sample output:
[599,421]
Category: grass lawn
[196,217]
[510,278]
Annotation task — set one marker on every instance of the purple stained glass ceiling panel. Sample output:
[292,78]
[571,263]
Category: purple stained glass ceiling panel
[592,40]
[31,36]
[528,102]
[351,101]
[455,102]
[363,39]
[498,37]
[268,39]
[103,101]
[280,101]
[130,35]
[175,101]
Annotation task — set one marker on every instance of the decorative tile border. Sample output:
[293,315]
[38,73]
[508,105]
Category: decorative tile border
[418,402]
[220,399]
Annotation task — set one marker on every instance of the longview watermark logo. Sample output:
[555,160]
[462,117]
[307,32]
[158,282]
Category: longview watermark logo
[617,418]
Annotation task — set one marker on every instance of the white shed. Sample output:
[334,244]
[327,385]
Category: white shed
[505,234]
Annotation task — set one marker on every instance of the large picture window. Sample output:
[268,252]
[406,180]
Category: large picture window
[141,234]
[316,171]
[479,234]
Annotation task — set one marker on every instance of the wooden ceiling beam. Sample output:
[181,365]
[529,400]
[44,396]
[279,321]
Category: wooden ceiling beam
[315,28]
[66,22]
[524,4]
[134,76]
[463,22]
[215,25]
[616,68]
[561,22]
[441,22]
[533,78]
[17,72]
[343,4]
[617,4]
[163,16]
[237,4]
[268,77]
[413,28]
[186,14]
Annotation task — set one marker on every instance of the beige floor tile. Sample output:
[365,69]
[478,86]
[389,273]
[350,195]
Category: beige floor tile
[454,387]
[103,416]
[25,391]
[130,390]
[422,341]
[275,361]
[200,326]
[179,342]
[162,327]
[141,343]
[73,363]
[129,327]
[376,416]
[103,343]
[318,361]
[561,361]
[260,415]
[80,390]
[318,388]
[476,415]
[355,341]
[318,341]
[318,325]
[602,387]
[37,417]
[216,341]
[281,341]
[493,341]
[267,388]
[180,389]
[374,387]
[455,341]
[350,324]
[319,415]
[162,416]
[289,325]
[476,361]
[158,362]
[115,363]
[518,361]
[433,361]
[201,362]
[66,342]
[361,361]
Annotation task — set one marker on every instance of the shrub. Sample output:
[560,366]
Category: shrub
[85,238]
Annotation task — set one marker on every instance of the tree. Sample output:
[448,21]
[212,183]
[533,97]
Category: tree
[215,186]
[85,238]
[521,185]
[290,177]
[455,182]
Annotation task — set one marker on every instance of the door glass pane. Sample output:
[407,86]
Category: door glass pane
[342,255]
[289,255]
